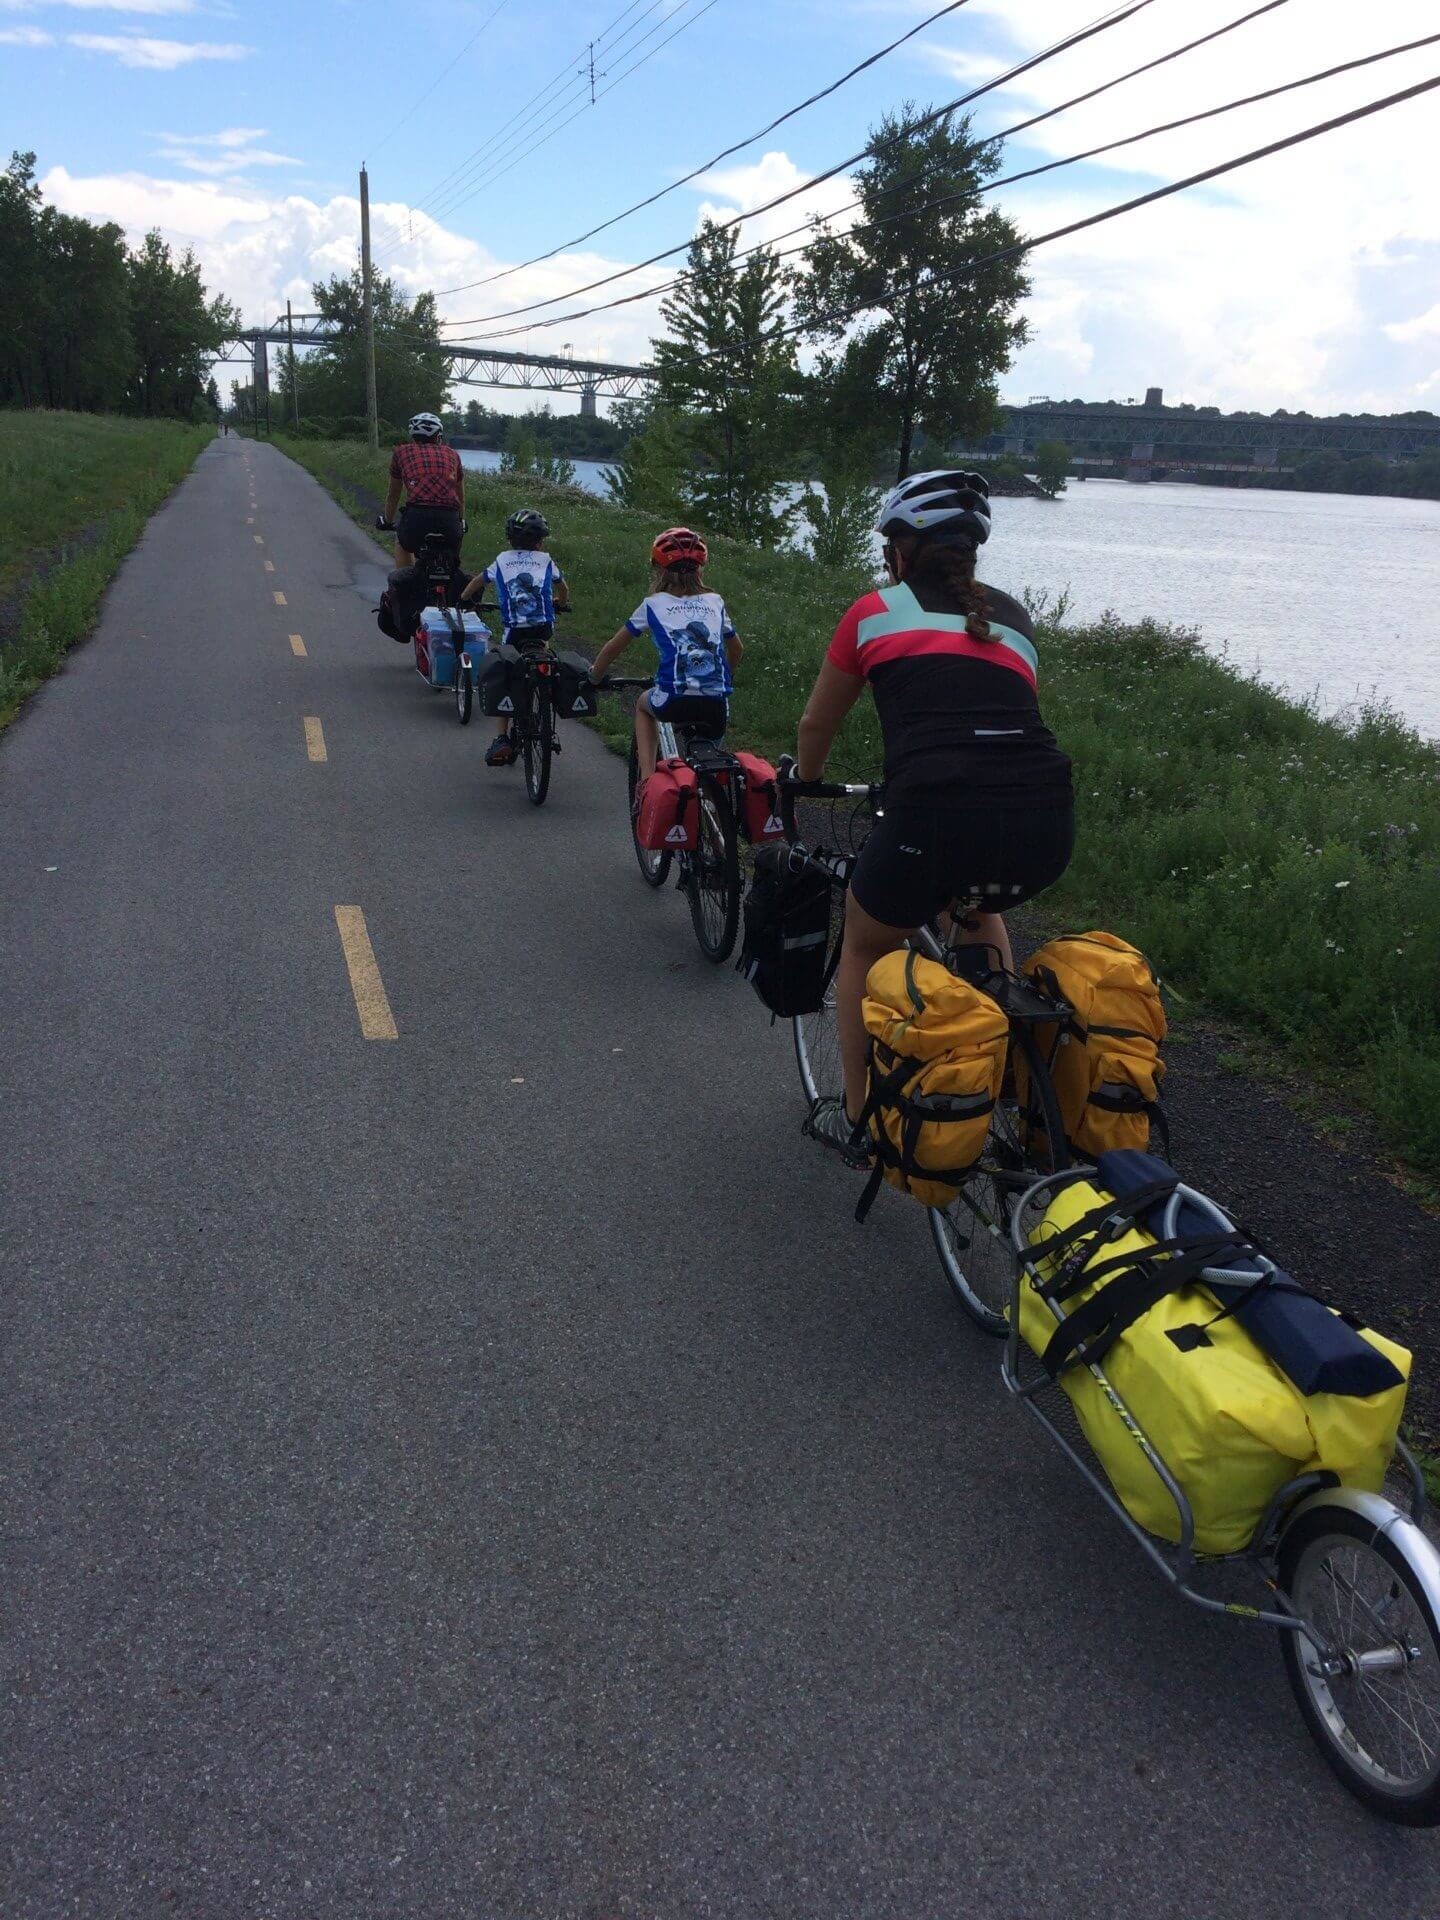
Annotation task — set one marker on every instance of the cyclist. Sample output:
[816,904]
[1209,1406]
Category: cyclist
[433,481]
[528,589]
[693,634]
[978,801]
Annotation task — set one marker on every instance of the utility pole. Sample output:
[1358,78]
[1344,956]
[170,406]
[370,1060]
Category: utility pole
[372,410]
[294,389]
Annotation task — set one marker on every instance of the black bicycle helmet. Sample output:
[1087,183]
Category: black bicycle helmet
[525,527]
[954,504]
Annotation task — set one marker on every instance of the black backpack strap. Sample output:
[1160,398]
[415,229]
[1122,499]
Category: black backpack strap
[1099,1225]
[1087,1334]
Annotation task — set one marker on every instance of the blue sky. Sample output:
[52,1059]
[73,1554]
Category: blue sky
[1311,280]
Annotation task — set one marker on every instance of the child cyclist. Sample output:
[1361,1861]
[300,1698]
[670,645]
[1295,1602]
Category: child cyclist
[698,647]
[528,589]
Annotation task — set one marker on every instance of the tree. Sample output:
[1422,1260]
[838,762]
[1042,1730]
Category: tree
[937,328]
[410,369]
[841,512]
[474,417]
[524,454]
[177,330]
[651,471]
[1052,467]
[726,372]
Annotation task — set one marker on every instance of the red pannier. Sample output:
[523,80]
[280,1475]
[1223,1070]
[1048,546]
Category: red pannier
[760,814]
[667,818]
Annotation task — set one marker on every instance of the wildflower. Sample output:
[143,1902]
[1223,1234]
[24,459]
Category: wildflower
[1340,885]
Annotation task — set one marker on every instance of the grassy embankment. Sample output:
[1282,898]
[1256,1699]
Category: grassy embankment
[75,492]
[1283,868]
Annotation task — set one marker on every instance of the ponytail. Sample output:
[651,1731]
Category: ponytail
[951,567]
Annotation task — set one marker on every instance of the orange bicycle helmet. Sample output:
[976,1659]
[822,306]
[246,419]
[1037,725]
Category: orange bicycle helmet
[679,547]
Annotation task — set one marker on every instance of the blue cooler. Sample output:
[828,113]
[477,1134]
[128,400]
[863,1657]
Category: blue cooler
[435,639]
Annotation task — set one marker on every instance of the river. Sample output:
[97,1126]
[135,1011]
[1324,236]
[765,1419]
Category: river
[1335,596]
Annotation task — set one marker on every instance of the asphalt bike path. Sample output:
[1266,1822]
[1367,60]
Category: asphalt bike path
[484,1471]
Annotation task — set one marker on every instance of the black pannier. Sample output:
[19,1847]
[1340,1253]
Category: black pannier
[786,943]
[575,696]
[497,680]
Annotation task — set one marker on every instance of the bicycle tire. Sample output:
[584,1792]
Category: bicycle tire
[654,867]
[712,874]
[1359,1743]
[464,694]
[537,740]
[972,1234]
[817,1038]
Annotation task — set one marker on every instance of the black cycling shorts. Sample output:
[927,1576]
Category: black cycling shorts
[415,522]
[699,713]
[990,855]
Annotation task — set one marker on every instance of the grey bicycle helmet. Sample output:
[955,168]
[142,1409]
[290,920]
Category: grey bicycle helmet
[525,527]
[426,426]
[954,503]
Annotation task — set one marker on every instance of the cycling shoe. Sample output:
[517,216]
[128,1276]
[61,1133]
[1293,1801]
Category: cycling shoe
[500,753]
[828,1122]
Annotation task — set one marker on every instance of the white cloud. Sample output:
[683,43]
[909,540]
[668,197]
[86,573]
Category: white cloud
[741,188]
[25,37]
[217,155]
[1420,328]
[160,56]
[1278,285]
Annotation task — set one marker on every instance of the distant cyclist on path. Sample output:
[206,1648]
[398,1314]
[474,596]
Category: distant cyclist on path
[432,479]
[978,801]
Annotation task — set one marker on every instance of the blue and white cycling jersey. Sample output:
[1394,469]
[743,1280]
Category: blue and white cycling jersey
[524,586]
[689,632]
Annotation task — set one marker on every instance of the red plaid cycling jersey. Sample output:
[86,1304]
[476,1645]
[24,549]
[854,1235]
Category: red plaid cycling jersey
[431,474]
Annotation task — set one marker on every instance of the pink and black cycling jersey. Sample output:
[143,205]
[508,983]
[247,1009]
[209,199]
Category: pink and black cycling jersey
[959,715]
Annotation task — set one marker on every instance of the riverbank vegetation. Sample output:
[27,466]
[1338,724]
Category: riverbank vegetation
[1280,867]
[75,492]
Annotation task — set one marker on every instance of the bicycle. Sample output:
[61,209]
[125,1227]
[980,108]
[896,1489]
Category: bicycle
[972,1235]
[534,731]
[709,876]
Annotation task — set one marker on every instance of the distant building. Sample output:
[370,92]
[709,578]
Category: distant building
[1154,396]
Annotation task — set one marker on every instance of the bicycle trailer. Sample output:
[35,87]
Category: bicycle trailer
[442,634]
[1123,1302]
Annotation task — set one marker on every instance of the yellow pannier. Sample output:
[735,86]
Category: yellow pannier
[937,1059]
[1106,1068]
[1229,1425]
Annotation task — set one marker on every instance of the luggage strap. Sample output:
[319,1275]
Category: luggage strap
[885,1090]
[1095,1228]
[1086,1335]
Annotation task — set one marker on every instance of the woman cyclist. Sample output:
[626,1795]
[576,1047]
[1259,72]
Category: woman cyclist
[978,802]
[698,646]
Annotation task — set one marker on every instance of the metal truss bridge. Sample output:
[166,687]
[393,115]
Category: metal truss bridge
[1170,437]
[465,366]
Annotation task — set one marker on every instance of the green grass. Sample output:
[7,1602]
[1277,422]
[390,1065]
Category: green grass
[1283,868]
[75,491]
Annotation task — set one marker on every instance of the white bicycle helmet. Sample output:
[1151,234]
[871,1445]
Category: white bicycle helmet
[426,426]
[958,503]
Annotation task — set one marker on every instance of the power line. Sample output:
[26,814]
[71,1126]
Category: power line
[395,125]
[1007,133]
[1028,173]
[1112,19]
[522,113]
[586,106]
[1130,206]
[725,154]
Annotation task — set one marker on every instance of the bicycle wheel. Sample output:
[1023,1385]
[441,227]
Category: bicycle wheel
[654,867]
[712,877]
[972,1234]
[817,1038]
[1373,1595]
[464,694]
[537,733]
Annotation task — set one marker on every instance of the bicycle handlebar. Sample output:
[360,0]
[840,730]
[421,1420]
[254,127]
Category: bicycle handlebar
[619,683]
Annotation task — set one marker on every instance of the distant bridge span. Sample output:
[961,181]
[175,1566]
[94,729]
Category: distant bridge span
[465,365]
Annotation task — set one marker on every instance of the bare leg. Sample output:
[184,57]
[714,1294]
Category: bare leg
[402,558]
[647,738]
[866,941]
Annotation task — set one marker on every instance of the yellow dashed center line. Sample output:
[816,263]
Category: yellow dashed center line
[297,646]
[376,1020]
[280,600]
[314,738]
[269,566]
[258,541]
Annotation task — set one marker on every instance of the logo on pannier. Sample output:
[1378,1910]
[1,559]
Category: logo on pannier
[579,706]
[507,705]
[774,824]
[676,834]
